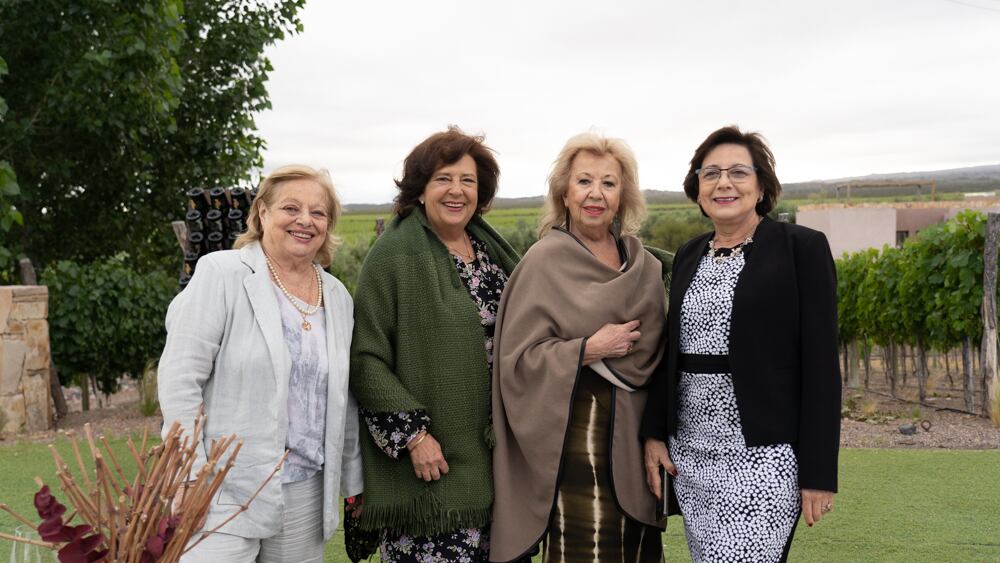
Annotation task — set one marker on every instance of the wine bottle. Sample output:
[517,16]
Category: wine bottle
[231,240]
[240,199]
[213,221]
[194,221]
[190,261]
[235,221]
[219,200]
[214,241]
[198,199]
[196,243]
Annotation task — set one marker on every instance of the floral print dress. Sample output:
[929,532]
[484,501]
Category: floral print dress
[391,431]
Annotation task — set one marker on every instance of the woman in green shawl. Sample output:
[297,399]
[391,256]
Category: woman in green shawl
[424,313]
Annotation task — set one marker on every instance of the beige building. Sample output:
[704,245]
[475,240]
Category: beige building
[853,227]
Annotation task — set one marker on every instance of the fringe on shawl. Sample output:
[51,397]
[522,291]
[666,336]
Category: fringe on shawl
[422,516]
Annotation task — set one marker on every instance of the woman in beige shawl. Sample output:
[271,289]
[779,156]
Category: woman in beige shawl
[579,333]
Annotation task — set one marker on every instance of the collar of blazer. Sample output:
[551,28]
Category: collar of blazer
[266,310]
[689,256]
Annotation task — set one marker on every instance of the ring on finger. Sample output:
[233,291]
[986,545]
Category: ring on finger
[628,350]
[826,508]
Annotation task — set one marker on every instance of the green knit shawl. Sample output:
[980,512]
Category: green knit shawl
[418,344]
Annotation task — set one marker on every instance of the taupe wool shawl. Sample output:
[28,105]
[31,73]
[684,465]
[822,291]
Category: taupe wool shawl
[557,297]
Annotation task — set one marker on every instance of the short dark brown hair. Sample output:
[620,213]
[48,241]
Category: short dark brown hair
[760,153]
[442,149]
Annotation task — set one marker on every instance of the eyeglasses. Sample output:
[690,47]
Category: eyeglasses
[737,174]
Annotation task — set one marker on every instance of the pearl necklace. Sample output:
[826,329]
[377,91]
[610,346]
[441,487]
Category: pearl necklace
[311,309]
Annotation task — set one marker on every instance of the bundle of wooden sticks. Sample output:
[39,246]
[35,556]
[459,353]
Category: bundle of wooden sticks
[134,520]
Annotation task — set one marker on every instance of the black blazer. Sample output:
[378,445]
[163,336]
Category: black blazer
[782,348]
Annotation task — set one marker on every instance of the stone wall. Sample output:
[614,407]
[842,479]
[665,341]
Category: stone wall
[25,358]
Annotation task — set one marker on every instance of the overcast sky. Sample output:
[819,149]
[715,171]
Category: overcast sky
[839,88]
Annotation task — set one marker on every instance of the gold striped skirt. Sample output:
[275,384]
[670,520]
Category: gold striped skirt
[587,524]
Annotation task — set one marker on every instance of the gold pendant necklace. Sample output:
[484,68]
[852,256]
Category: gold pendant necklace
[471,253]
[310,309]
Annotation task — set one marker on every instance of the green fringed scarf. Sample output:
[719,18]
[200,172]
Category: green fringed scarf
[418,344]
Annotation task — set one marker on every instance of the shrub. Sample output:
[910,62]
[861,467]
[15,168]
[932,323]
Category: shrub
[521,237]
[106,318]
[669,232]
[347,262]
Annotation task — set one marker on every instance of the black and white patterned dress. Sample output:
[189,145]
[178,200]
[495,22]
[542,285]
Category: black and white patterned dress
[739,503]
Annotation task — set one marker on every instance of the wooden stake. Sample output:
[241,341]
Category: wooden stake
[988,348]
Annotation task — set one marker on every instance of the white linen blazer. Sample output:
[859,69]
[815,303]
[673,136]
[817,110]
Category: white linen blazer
[225,350]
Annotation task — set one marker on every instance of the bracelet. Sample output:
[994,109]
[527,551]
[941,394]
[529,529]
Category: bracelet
[416,442]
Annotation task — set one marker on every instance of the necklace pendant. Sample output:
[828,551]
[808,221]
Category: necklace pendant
[306,325]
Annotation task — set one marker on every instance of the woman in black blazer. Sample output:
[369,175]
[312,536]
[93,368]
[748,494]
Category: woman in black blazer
[748,399]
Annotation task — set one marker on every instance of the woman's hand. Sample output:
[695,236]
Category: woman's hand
[815,505]
[185,490]
[655,454]
[611,341]
[356,505]
[425,454]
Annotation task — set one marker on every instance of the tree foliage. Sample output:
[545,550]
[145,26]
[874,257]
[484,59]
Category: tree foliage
[926,294]
[9,190]
[117,107]
[106,318]
[669,233]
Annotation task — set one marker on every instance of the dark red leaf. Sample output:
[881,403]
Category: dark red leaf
[49,529]
[64,533]
[83,550]
[47,505]
[155,546]
[43,497]
[71,553]
[91,542]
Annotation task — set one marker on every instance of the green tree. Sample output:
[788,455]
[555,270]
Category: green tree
[9,215]
[116,107]
[224,72]
[88,80]
[669,231]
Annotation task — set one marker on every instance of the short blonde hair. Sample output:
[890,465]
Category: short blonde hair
[267,193]
[632,208]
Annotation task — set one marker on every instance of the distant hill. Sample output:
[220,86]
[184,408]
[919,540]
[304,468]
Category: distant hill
[968,179]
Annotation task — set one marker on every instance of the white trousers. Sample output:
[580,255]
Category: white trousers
[299,541]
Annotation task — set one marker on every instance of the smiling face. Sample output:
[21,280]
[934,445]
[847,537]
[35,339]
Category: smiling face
[451,196]
[594,193]
[725,201]
[295,224]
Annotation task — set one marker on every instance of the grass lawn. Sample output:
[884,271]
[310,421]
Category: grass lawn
[895,505]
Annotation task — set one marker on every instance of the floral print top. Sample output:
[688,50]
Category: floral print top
[485,281]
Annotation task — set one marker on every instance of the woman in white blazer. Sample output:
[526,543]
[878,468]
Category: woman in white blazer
[261,338]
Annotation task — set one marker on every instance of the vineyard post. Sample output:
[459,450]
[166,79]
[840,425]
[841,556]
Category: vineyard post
[867,347]
[967,372]
[988,348]
[923,372]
